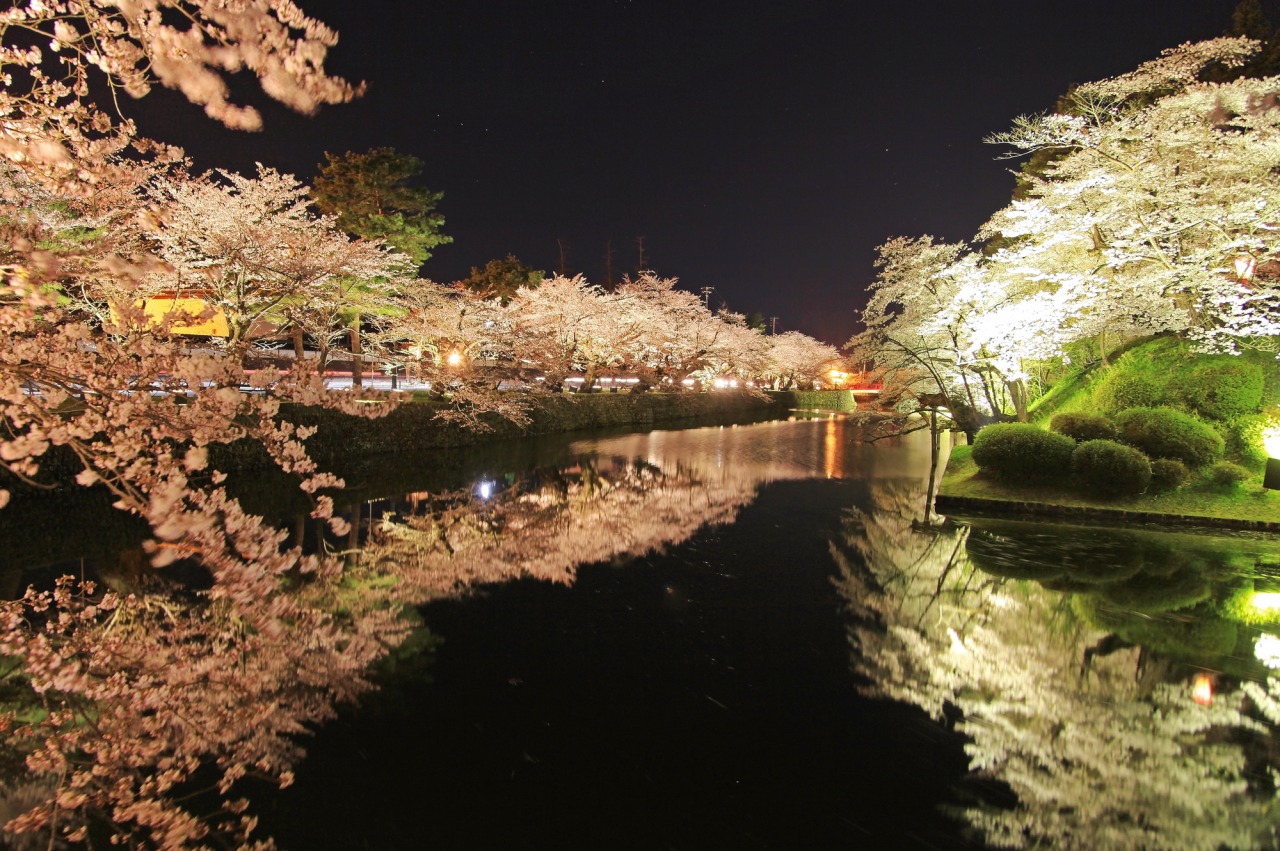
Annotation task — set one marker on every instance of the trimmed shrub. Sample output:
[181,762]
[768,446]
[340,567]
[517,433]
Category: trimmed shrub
[1166,433]
[1243,438]
[1081,427]
[1120,389]
[1022,451]
[1168,474]
[1224,389]
[1110,469]
[1224,474]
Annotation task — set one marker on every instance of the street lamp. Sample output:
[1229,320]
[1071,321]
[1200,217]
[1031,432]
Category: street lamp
[454,359]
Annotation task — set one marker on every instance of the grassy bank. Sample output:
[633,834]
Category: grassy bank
[965,488]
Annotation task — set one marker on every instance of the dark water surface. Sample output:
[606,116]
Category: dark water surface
[745,638]
[696,697]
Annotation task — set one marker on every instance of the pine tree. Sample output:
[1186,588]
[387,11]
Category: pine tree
[371,197]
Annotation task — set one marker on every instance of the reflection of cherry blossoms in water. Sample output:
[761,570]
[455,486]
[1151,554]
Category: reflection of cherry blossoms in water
[620,498]
[143,712]
[1096,757]
[549,524]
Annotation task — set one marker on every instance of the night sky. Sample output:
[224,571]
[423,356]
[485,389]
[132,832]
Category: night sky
[761,148]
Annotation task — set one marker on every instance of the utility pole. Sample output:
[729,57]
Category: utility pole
[643,267]
[563,269]
[773,325]
[706,296]
[608,265]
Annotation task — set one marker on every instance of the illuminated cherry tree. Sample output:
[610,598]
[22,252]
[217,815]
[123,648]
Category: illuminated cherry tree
[251,249]
[798,360]
[929,330]
[1159,214]
[129,700]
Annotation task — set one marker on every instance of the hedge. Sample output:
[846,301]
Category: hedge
[1168,474]
[815,400]
[1120,389]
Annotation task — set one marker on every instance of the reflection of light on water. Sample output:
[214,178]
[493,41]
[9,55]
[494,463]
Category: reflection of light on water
[1202,689]
[1265,601]
[485,489]
[833,444]
[1267,650]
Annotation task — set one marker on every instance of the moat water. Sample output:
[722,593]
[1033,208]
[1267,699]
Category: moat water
[752,637]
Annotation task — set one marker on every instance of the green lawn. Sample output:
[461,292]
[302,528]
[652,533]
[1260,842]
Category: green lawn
[1247,502]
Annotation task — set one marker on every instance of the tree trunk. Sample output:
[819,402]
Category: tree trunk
[968,390]
[299,347]
[357,363]
[933,464]
[1018,395]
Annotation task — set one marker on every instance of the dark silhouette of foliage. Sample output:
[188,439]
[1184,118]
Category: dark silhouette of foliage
[371,197]
[502,278]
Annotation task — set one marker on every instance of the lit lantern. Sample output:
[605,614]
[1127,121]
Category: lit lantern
[1246,265]
[1271,441]
[1265,601]
[1202,689]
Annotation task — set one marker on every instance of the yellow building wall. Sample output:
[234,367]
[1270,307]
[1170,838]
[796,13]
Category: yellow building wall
[158,308]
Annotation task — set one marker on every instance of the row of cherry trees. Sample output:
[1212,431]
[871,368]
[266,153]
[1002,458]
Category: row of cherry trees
[1153,210]
[252,252]
[255,253]
[566,327]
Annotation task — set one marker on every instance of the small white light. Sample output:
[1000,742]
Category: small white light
[1267,650]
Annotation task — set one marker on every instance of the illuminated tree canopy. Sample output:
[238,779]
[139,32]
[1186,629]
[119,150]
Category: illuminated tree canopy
[1155,213]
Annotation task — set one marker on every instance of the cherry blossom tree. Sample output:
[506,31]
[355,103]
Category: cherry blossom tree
[457,342]
[1161,186]
[52,51]
[250,248]
[1151,216]
[798,360]
[922,328]
[677,327]
[134,702]
[565,326]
